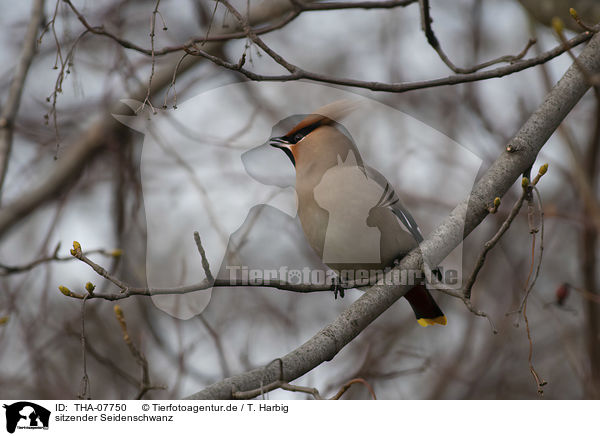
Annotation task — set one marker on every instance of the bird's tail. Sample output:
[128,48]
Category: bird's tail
[426,309]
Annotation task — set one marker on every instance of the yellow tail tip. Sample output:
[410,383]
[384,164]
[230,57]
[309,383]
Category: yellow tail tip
[425,322]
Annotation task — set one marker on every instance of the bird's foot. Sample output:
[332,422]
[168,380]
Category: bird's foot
[337,288]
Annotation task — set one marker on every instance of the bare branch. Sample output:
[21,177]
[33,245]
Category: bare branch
[54,257]
[208,283]
[11,105]
[282,384]
[153,55]
[593,80]
[297,73]
[540,382]
[426,21]
[516,63]
[503,228]
[84,385]
[346,386]
[145,384]
[295,9]
[329,6]
[205,264]
[579,21]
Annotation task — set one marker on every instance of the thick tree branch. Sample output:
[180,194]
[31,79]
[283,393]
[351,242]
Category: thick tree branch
[520,154]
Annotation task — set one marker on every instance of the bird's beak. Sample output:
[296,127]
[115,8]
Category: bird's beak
[279,142]
[284,144]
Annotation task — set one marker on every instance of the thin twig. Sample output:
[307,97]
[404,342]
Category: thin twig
[77,253]
[280,384]
[491,243]
[590,296]
[205,264]
[128,290]
[469,304]
[54,257]
[346,386]
[172,84]
[503,228]
[64,70]
[539,264]
[59,79]
[540,382]
[329,6]
[210,23]
[145,384]
[153,56]
[579,21]
[530,282]
[593,80]
[218,345]
[84,386]
[426,21]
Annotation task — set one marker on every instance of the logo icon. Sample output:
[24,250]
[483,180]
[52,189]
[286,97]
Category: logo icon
[26,415]
[210,167]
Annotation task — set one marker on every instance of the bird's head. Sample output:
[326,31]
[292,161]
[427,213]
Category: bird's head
[303,134]
[318,137]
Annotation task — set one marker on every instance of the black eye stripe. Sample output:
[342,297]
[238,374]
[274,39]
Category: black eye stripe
[297,136]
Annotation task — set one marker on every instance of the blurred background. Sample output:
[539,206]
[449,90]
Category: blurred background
[77,173]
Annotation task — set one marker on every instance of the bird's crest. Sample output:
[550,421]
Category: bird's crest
[324,115]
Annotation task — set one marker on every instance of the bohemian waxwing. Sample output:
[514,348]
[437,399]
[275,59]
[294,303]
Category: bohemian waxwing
[350,214]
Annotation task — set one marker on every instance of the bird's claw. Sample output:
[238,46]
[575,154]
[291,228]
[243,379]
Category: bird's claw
[337,288]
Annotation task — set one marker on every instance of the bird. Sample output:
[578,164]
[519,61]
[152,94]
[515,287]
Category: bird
[350,214]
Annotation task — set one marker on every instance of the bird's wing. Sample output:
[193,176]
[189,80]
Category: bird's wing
[390,199]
